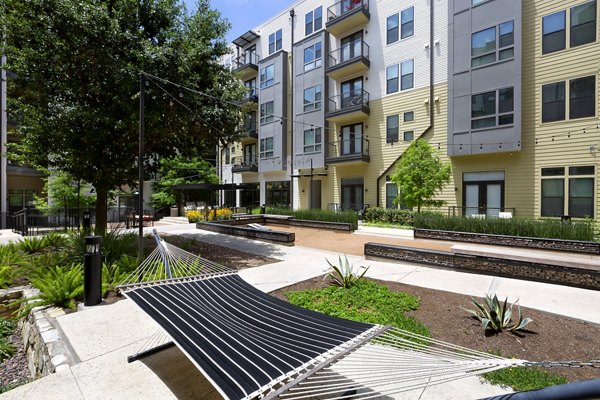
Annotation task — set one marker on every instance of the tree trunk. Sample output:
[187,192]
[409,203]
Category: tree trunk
[101,197]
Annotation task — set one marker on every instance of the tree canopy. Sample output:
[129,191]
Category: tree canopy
[65,192]
[77,89]
[420,174]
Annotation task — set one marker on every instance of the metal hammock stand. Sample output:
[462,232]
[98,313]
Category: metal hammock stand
[251,345]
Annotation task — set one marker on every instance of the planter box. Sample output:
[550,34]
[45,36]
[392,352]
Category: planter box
[572,246]
[286,238]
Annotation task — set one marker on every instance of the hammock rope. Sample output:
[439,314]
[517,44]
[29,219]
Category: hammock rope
[251,345]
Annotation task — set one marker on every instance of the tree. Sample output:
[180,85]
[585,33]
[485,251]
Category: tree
[78,64]
[62,191]
[419,175]
[178,171]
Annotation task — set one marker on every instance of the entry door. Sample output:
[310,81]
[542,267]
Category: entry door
[352,194]
[315,194]
[351,46]
[352,139]
[483,198]
[352,93]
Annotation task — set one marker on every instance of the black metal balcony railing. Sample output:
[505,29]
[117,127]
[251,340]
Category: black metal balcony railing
[249,128]
[245,164]
[349,100]
[349,149]
[343,7]
[481,212]
[246,59]
[349,52]
[251,94]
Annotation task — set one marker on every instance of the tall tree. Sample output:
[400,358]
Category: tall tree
[420,174]
[78,64]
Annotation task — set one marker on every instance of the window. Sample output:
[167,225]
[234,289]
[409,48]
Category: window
[313,21]
[582,97]
[580,199]
[275,41]
[408,136]
[408,22]
[553,102]
[485,44]
[475,2]
[227,155]
[583,24]
[391,192]
[392,128]
[312,140]
[392,79]
[312,56]
[277,193]
[409,116]
[490,109]
[266,112]
[553,32]
[312,98]
[392,28]
[266,148]
[407,81]
[267,76]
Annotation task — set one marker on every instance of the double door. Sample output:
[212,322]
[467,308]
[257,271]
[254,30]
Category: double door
[484,198]
[352,93]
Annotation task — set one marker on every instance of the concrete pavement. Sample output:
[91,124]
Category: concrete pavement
[102,337]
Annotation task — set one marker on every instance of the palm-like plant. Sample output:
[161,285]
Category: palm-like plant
[343,274]
[497,316]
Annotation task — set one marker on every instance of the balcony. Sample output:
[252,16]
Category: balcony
[251,95]
[244,164]
[348,107]
[246,65]
[248,130]
[347,15]
[349,150]
[350,59]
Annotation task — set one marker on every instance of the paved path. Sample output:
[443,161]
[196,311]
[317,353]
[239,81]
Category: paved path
[102,337]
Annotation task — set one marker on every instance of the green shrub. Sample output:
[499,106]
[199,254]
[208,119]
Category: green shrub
[366,301]
[10,254]
[497,316]
[390,216]
[112,276]
[7,326]
[115,244]
[33,244]
[542,228]
[6,276]
[318,215]
[55,240]
[524,378]
[6,349]
[6,329]
[343,274]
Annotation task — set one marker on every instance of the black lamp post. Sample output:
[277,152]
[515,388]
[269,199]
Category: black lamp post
[141,170]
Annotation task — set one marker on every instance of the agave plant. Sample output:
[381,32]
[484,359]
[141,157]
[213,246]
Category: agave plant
[497,316]
[343,274]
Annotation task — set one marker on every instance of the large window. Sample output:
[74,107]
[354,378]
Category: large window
[391,192]
[266,112]
[275,41]
[490,109]
[582,99]
[407,18]
[408,75]
[312,140]
[392,79]
[278,193]
[266,148]
[392,28]
[267,76]
[312,56]
[312,98]
[573,184]
[313,21]
[392,128]
[582,24]
[495,43]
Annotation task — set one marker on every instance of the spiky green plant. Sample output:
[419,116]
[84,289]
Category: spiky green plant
[343,274]
[55,240]
[7,326]
[112,276]
[33,244]
[497,316]
[6,349]
[10,254]
[6,276]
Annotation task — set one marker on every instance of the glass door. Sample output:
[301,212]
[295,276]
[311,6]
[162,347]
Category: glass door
[351,46]
[250,154]
[351,139]
[352,194]
[352,92]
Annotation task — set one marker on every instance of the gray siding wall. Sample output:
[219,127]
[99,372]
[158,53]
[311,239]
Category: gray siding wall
[304,120]
[464,81]
[277,93]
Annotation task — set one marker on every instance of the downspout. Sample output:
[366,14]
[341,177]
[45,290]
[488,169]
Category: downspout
[292,15]
[431,98]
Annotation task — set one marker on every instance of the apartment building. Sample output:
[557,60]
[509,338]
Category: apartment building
[506,90]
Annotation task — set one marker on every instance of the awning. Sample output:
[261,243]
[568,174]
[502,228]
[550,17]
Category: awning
[246,38]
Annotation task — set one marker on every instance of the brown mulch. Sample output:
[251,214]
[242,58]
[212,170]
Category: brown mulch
[549,337]
[13,370]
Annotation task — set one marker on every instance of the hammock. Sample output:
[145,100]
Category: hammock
[251,345]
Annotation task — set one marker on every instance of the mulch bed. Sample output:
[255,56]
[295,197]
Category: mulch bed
[13,370]
[549,337]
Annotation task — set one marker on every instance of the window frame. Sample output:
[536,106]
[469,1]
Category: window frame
[265,116]
[265,81]
[392,132]
[275,41]
[317,99]
[411,74]
[407,113]
[569,31]
[392,81]
[408,133]
[411,22]
[265,152]
[575,108]
[499,51]
[497,114]
[393,33]
[572,28]
[317,141]
[313,21]
[567,176]
[567,107]
[315,62]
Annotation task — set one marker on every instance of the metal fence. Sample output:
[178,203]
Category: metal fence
[481,212]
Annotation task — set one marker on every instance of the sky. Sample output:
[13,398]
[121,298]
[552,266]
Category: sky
[245,14]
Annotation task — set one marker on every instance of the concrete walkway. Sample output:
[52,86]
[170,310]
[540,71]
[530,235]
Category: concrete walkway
[102,337]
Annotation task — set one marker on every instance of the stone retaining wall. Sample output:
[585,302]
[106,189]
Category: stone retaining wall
[573,246]
[569,276]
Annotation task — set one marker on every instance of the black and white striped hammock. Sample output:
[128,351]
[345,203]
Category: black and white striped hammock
[251,345]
